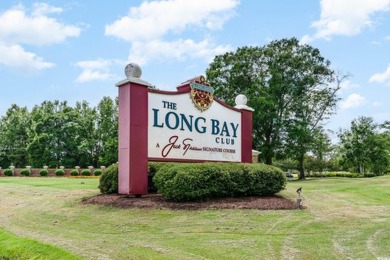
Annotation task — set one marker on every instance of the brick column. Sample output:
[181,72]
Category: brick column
[246,128]
[246,141]
[133,137]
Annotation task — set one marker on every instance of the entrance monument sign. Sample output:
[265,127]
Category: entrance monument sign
[187,125]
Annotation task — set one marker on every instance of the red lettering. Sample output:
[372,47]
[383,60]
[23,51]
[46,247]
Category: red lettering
[186,145]
[172,144]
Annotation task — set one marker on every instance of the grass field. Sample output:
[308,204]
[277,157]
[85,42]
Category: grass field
[344,219]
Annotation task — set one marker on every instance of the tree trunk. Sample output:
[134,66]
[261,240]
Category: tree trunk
[268,160]
[301,167]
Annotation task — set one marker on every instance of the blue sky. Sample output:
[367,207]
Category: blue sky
[77,50]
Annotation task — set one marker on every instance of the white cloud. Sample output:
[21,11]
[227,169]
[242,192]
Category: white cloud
[16,57]
[95,70]
[381,77]
[148,26]
[347,17]
[41,9]
[353,100]
[347,84]
[154,19]
[180,49]
[19,28]
[91,75]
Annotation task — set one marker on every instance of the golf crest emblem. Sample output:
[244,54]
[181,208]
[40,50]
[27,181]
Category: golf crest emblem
[201,93]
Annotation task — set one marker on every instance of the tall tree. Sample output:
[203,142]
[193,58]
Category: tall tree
[380,153]
[89,144]
[321,148]
[315,102]
[53,136]
[289,85]
[107,130]
[364,147]
[14,128]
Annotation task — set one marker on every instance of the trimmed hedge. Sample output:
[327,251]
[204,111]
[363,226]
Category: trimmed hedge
[153,168]
[8,172]
[86,172]
[341,174]
[97,172]
[369,174]
[109,179]
[59,172]
[201,181]
[43,172]
[25,172]
[108,182]
[74,172]
[333,174]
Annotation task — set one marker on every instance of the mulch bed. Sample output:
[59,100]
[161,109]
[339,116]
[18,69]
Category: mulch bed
[156,201]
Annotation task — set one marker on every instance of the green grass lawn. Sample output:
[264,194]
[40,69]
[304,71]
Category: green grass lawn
[13,247]
[344,219]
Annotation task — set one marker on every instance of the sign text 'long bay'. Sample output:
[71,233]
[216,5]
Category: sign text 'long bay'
[178,130]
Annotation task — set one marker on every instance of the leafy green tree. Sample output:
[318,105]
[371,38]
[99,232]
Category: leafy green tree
[334,158]
[356,142]
[386,127]
[14,128]
[245,72]
[364,148]
[39,149]
[380,153]
[98,132]
[56,134]
[320,149]
[315,103]
[291,87]
[89,145]
[107,130]
[53,139]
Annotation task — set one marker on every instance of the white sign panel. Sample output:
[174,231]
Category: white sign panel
[178,130]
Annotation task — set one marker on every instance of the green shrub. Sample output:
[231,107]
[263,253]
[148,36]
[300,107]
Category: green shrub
[109,179]
[153,168]
[336,174]
[43,172]
[108,182]
[369,174]
[286,165]
[74,172]
[97,172]
[86,172]
[25,172]
[200,181]
[8,172]
[59,172]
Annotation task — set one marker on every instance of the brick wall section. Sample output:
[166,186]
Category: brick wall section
[35,171]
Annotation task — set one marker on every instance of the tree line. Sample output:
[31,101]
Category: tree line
[56,134]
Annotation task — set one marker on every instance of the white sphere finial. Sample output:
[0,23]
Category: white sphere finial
[241,100]
[133,70]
